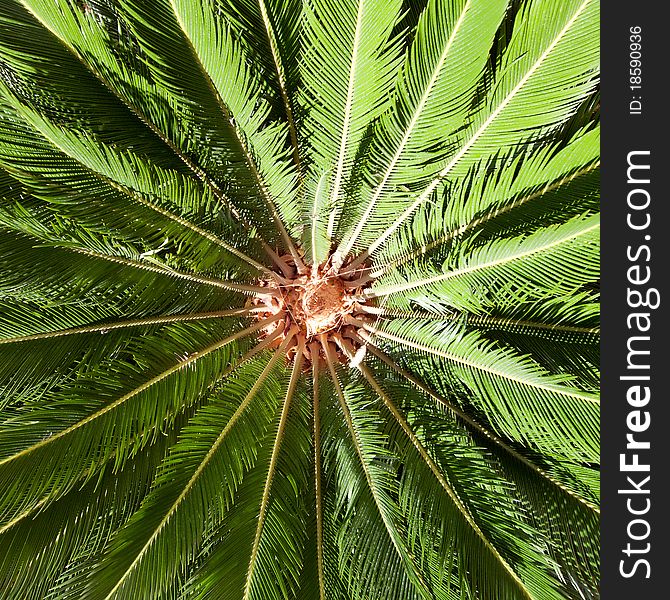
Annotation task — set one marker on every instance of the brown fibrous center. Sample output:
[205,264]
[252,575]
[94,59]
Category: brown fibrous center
[315,308]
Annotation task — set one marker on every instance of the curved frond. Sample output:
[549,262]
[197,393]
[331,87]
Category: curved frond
[190,473]
[348,67]
[524,268]
[98,435]
[442,68]
[299,299]
[506,388]
[526,79]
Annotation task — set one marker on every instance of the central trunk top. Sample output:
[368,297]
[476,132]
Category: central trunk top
[323,304]
[314,308]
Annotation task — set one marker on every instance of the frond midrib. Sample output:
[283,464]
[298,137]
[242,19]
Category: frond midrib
[476,135]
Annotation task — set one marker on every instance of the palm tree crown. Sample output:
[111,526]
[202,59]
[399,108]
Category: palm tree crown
[299,299]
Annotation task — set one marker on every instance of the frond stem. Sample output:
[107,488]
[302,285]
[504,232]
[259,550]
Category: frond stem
[470,422]
[453,496]
[556,389]
[318,492]
[476,320]
[185,223]
[447,237]
[146,385]
[104,327]
[410,285]
[403,553]
[339,169]
[248,156]
[127,262]
[23,515]
[281,76]
[201,467]
[295,376]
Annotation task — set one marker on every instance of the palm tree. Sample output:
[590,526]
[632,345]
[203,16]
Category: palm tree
[299,299]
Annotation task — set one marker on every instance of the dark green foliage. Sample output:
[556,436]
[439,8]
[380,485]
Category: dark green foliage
[158,159]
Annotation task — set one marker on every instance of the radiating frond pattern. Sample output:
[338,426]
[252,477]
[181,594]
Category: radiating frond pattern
[299,299]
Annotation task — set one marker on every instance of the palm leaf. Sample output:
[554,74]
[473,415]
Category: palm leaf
[526,78]
[299,300]
[344,100]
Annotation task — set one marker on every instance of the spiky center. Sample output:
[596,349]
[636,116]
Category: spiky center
[314,307]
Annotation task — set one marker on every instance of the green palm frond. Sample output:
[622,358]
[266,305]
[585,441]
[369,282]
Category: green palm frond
[443,64]
[523,268]
[299,300]
[347,85]
[527,77]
